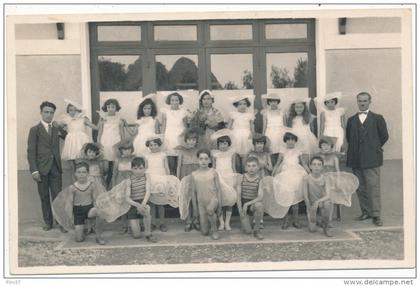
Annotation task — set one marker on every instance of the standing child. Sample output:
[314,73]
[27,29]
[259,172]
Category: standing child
[174,122]
[250,197]
[241,122]
[157,164]
[343,184]
[224,162]
[76,204]
[122,169]
[93,155]
[137,195]
[332,121]
[147,124]
[316,192]
[273,122]
[76,122]
[300,120]
[188,163]
[111,131]
[260,152]
[122,166]
[288,174]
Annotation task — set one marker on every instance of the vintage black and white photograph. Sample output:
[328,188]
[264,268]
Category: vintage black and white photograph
[186,138]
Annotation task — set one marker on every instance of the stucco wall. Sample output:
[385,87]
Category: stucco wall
[41,78]
[377,71]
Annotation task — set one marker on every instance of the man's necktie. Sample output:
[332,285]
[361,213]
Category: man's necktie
[49,130]
[363,112]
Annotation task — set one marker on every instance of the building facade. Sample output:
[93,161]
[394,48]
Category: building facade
[89,58]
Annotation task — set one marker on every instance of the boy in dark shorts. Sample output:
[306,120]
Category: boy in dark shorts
[137,195]
[250,197]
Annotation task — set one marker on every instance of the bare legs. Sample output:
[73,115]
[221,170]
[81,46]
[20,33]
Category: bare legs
[224,223]
[208,216]
[158,220]
[79,229]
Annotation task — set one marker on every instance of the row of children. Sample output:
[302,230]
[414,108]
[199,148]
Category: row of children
[173,122]
[204,192]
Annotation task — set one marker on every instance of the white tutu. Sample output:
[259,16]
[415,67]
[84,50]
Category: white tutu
[146,129]
[73,144]
[241,132]
[275,130]
[164,190]
[288,183]
[110,136]
[269,201]
[307,141]
[77,136]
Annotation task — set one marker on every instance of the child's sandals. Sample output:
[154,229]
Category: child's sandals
[151,238]
[188,227]
[163,228]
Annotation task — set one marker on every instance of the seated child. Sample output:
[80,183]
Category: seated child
[316,192]
[76,204]
[137,195]
[288,174]
[250,196]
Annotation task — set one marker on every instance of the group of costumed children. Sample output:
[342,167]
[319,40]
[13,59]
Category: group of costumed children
[134,170]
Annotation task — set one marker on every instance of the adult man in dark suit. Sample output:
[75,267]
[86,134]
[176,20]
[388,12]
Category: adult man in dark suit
[366,133]
[45,161]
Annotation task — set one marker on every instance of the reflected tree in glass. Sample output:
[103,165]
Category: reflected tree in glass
[120,73]
[280,76]
[183,75]
[248,80]
[301,73]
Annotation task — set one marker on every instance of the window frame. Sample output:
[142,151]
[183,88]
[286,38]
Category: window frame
[203,47]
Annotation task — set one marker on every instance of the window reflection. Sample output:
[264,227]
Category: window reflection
[287,74]
[120,73]
[232,71]
[176,72]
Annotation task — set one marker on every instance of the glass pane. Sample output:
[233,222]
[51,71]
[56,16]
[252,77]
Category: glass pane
[287,74]
[120,73]
[285,31]
[373,25]
[231,75]
[36,31]
[119,33]
[230,32]
[121,78]
[175,33]
[176,72]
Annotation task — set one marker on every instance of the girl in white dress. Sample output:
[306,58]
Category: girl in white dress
[273,122]
[224,162]
[241,122]
[76,123]
[156,164]
[300,120]
[288,175]
[332,120]
[147,125]
[111,130]
[174,122]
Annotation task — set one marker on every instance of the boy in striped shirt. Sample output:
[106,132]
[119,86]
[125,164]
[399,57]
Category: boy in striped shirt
[250,196]
[137,196]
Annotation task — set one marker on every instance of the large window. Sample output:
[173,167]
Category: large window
[132,59]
